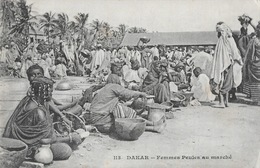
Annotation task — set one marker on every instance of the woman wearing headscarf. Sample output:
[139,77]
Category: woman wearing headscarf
[31,122]
[227,64]
[107,105]
[252,68]
[155,85]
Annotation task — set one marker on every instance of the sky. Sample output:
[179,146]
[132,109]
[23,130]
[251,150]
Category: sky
[157,15]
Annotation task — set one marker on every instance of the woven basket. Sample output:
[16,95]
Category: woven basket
[12,152]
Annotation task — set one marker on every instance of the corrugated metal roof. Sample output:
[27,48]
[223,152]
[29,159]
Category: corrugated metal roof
[172,38]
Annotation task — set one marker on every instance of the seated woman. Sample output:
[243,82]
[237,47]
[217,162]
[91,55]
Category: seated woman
[154,83]
[55,106]
[106,106]
[116,74]
[132,74]
[31,122]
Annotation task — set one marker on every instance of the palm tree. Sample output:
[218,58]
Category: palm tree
[95,26]
[137,30]
[122,28]
[48,23]
[8,14]
[62,26]
[80,24]
[24,20]
[106,30]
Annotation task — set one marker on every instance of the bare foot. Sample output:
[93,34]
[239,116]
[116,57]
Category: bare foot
[159,128]
[218,106]
[161,121]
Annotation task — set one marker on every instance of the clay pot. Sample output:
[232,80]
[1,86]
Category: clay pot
[177,99]
[129,128]
[44,154]
[150,99]
[12,152]
[188,97]
[155,112]
[168,105]
[64,85]
[104,128]
[139,104]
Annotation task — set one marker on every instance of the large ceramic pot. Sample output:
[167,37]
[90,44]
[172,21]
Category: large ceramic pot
[156,111]
[129,128]
[12,152]
[64,85]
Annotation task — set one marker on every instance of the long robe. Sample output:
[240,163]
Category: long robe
[202,60]
[252,70]
[104,106]
[27,126]
[151,86]
[226,52]
[98,59]
[201,89]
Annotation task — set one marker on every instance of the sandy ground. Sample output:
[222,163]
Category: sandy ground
[189,140]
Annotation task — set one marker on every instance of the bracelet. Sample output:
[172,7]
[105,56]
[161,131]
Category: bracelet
[70,138]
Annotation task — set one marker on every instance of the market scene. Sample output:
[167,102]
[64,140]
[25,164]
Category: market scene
[76,92]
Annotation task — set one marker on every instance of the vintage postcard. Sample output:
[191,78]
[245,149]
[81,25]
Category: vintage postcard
[130,83]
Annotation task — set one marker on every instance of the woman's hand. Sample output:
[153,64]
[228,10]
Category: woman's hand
[67,121]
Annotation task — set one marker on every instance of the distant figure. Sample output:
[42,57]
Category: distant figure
[98,58]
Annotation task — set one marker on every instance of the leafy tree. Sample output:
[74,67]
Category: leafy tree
[95,27]
[24,22]
[62,26]
[47,22]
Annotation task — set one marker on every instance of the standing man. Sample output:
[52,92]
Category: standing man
[225,57]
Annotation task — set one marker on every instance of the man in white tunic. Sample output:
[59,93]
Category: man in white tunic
[201,87]
[98,58]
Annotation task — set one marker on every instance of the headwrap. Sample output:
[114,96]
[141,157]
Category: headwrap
[43,80]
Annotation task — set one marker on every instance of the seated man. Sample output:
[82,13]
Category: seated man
[106,106]
[201,87]
[31,122]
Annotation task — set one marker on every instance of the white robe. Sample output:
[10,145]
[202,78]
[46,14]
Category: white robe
[202,60]
[97,59]
[201,89]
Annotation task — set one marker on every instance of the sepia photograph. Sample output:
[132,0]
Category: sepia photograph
[129,83]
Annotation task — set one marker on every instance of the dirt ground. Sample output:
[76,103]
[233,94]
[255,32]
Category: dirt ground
[197,137]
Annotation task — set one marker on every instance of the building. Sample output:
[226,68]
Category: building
[184,39]
[36,36]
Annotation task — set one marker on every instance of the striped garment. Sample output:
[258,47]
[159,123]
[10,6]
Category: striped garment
[122,111]
[252,90]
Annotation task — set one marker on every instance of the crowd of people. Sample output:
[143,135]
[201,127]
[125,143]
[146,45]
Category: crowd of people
[124,74]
